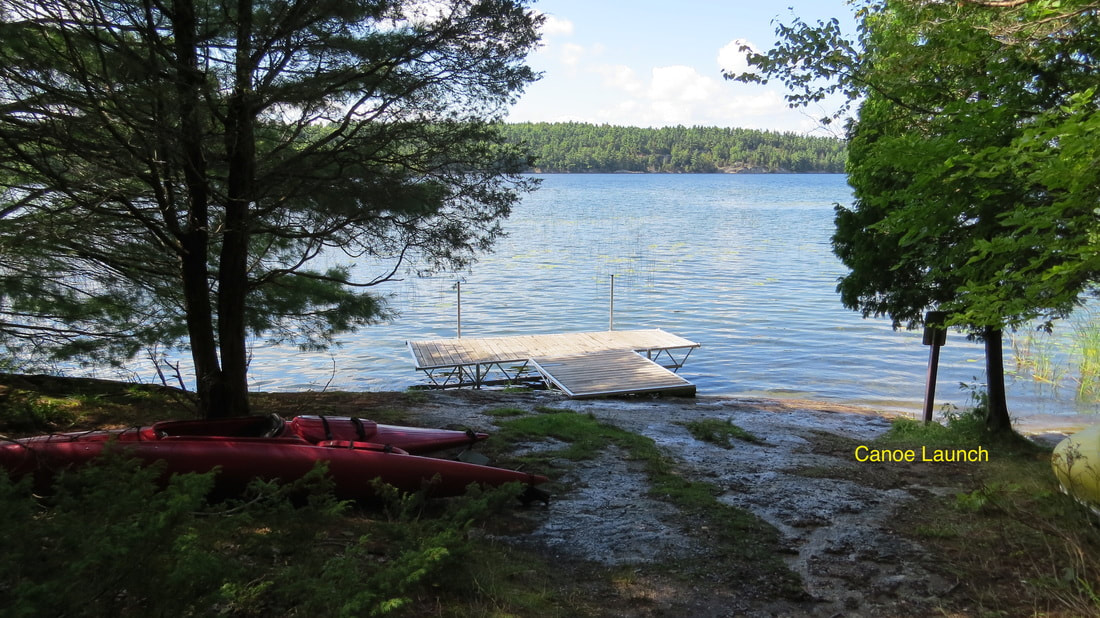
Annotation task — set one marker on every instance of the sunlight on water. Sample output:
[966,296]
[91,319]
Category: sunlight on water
[740,263]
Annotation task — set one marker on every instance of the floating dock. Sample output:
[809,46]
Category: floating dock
[593,364]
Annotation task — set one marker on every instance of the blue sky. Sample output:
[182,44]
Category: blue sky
[651,63]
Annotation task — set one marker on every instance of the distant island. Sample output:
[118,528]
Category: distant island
[574,147]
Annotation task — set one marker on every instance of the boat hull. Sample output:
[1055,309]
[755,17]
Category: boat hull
[415,440]
[306,429]
[387,453]
[314,429]
[1076,463]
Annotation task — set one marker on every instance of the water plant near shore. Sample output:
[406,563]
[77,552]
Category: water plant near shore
[1038,357]
[1087,338]
[1060,360]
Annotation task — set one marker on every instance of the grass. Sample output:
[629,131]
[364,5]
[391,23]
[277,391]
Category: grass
[585,438]
[1036,355]
[34,404]
[719,432]
[746,548]
[960,430]
[1000,530]
[506,412]
[1008,535]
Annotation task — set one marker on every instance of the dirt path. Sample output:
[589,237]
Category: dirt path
[833,513]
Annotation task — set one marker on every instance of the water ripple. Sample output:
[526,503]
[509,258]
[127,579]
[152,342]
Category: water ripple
[741,264]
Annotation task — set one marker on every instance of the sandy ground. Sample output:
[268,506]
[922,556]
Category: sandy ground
[837,531]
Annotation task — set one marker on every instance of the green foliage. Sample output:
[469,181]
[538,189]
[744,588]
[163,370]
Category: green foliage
[26,412]
[112,540]
[580,147]
[961,429]
[971,160]
[964,429]
[108,540]
[976,500]
[207,158]
[717,431]
[941,199]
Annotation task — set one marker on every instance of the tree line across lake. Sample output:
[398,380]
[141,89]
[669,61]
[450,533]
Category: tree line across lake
[580,147]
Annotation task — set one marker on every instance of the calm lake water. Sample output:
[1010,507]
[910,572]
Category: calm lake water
[740,263]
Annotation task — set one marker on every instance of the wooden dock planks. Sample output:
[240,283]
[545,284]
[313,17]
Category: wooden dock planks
[587,364]
[440,353]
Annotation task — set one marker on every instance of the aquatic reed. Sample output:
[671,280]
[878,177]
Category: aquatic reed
[1036,356]
[1071,354]
[1087,340]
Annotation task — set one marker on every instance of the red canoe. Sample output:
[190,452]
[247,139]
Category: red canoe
[357,451]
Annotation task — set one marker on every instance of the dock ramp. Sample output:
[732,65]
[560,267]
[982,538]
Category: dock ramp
[610,372]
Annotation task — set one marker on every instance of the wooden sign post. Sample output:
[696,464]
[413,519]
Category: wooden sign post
[935,335]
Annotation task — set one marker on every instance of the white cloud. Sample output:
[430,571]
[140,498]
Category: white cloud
[680,84]
[732,57]
[758,103]
[581,85]
[556,26]
[571,54]
[620,77]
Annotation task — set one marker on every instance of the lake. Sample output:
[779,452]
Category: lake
[739,263]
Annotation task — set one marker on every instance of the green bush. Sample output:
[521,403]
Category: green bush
[22,411]
[112,539]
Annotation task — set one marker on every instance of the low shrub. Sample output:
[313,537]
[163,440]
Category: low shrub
[111,539]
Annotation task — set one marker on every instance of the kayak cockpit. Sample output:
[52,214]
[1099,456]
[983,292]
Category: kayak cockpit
[263,426]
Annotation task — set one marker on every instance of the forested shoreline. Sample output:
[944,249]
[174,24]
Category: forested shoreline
[573,147]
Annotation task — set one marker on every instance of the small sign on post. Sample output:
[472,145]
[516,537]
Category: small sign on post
[935,335]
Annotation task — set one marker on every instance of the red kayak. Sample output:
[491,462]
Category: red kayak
[356,451]
[315,429]
[311,429]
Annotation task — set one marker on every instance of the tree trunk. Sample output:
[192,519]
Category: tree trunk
[240,145]
[195,236]
[997,419]
[232,290]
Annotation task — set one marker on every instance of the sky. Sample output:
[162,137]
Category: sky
[650,63]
